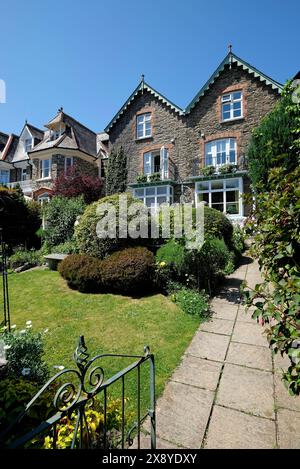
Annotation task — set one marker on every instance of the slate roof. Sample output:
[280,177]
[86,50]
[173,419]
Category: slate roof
[230,59]
[35,132]
[10,148]
[76,137]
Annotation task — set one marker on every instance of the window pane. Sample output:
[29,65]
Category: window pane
[139,192]
[148,116]
[216,197]
[237,95]
[162,190]
[232,183]
[232,156]
[217,185]
[150,201]
[226,107]
[150,191]
[237,105]
[237,113]
[219,207]
[232,209]
[161,200]
[204,197]
[232,196]
[226,97]
[203,186]
[221,158]
[140,119]
[208,160]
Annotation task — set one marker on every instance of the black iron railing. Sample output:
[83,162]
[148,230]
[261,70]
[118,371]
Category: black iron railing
[73,400]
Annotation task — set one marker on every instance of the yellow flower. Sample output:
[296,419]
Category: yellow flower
[163,264]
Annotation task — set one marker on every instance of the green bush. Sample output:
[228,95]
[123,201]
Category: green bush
[21,257]
[69,247]
[218,225]
[175,256]
[130,271]
[24,354]
[60,216]
[192,302]
[86,235]
[81,272]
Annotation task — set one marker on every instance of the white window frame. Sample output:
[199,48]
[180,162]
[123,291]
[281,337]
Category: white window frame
[230,99]
[24,174]
[71,165]
[230,144]
[4,176]
[42,169]
[28,144]
[224,190]
[144,196]
[148,163]
[141,121]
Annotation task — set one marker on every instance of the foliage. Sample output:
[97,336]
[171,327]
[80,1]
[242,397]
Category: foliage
[86,231]
[216,224]
[81,272]
[19,219]
[60,217]
[15,394]
[95,422]
[191,301]
[141,178]
[129,271]
[208,170]
[272,142]
[24,354]
[116,172]
[22,256]
[227,168]
[238,241]
[276,223]
[76,184]
[175,256]
[154,177]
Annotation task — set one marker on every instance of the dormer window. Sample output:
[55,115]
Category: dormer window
[28,144]
[232,106]
[143,125]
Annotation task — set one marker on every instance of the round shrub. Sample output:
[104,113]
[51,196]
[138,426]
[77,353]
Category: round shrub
[86,235]
[175,256]
[218,225]
[81,272]
[129,271]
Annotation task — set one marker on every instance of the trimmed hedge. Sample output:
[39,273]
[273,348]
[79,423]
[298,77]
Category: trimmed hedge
[130,271]
[81,272]
[85,232]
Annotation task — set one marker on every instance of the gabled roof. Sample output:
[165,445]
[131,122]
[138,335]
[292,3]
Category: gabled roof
[143,86]
[78,137]
[10,148]
[35,132]
[231,59]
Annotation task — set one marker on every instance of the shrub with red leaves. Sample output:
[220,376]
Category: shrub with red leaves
[74,184]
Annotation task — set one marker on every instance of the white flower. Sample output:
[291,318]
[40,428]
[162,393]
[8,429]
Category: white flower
[7,347]
[29,326]
[46,330]
[4,328]
[59,367]
[13,326]
[26,371]
[28,323]
[23,331]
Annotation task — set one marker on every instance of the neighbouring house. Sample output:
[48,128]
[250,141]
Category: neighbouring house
[36,158]
[197,153]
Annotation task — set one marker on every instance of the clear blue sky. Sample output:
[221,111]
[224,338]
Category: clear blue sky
[88,55]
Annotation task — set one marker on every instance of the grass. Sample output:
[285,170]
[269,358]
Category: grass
[109,323]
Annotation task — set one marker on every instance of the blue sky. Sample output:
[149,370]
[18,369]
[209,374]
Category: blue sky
[88,55]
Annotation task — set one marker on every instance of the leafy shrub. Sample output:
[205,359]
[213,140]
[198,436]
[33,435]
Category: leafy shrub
[69,247]
[86,231]
[192,302]
[208,170]
[15,394]
[218,225]
[116,172]
[81,272]
[60,216]
[24,354]
[75,184]
[238,240]
[21,257]
[175,256]
[130,271]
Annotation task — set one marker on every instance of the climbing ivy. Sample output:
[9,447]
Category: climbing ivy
[116,180]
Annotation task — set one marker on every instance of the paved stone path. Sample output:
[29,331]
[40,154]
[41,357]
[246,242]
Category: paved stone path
[227,391]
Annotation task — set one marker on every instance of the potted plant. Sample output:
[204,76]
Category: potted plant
[154,177]
[227,168]
[208,170]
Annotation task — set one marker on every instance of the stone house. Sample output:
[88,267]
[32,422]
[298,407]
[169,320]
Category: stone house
[197,153]
[36,157]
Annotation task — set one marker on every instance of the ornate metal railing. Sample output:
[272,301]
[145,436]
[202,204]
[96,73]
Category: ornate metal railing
[75,399]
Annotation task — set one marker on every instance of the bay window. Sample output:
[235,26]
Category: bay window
[220,152]
[153,196]
[224,195]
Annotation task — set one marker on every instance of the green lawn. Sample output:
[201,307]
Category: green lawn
[109,323]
